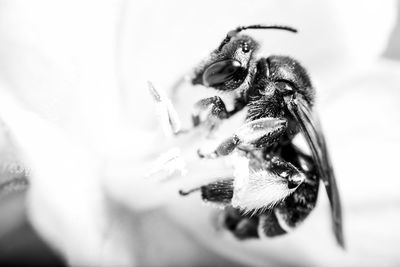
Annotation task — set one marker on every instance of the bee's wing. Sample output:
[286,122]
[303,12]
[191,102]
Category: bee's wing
[311,129]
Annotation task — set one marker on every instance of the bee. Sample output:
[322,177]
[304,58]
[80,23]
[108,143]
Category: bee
[279,185]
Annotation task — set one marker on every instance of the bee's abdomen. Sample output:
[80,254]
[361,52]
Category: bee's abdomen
[242,226]
[246,226]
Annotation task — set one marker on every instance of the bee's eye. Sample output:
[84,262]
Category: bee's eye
[220,72]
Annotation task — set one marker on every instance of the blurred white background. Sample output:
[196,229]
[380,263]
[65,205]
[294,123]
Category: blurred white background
[76,113]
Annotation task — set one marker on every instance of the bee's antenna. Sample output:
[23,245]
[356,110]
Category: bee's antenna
[256,26]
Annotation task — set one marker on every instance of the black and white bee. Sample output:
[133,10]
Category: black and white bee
[280,187]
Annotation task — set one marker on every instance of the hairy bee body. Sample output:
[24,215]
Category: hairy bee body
[279,186]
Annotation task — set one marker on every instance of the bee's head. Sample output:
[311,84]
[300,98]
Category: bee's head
[229,66]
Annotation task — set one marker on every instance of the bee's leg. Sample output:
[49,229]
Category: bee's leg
[257,185]
[221,193]
[257,133]
[211,109]
[252,213]
[297,206]
[264,184]
[275,189]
